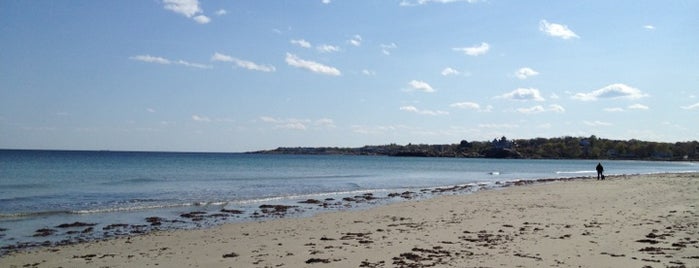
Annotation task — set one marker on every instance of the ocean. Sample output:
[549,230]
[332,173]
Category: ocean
[59,197]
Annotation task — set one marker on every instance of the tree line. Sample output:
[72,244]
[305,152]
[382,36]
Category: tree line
[537,148]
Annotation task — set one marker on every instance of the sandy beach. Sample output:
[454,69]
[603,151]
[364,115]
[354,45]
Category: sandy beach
[624,221]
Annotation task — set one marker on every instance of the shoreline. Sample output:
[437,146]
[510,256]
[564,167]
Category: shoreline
[76,230]
[624,221]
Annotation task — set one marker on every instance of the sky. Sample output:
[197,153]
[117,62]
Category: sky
[234,76]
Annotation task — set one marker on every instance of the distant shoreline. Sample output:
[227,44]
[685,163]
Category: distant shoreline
[361,151]
[571,148]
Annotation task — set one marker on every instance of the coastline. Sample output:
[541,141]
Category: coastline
[624,221]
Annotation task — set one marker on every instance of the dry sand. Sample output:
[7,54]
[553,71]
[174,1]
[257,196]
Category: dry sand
[626,221]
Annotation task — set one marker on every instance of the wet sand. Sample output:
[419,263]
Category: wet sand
[624,221]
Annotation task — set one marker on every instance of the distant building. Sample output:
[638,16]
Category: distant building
[502,143]
[586,145]
[661,155]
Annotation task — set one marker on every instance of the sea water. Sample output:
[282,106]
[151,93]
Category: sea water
[43,189]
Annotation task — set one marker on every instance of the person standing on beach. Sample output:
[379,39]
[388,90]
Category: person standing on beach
[600,169]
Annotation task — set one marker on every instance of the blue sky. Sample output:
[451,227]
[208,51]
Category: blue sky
[213,75]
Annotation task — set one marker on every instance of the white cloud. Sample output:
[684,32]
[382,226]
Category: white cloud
[297,124]
[373,130]
[356,40]
[201,118]
[545,126]
[194,65]
[525,72]
[466,105]
[556,30]
[532,110]
[638,106]
[597,123]
[540,109]
[325,122]
[366,130]
[325,1]
[691,107]
[151,59]
[312,66]
[268,119]
[498,125]
[201,19]
[161,60]
[410,3]
[421,86]
[556,108]
[614,109]
[471,106]
[523,94]
[368,72]
[327,48]
[649,27]
[254,66]
[294,124]
[414,109]
[474,50]
[242,63]
[150,110]
[450,71]
[386,48]
[188,8]
[409,108]
[221,57]
[302,43]
[221,12]
[613,91]
[630,107]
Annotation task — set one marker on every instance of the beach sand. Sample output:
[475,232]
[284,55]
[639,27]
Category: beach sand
[624,221]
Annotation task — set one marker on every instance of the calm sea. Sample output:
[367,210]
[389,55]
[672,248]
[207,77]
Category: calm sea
[43,189]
